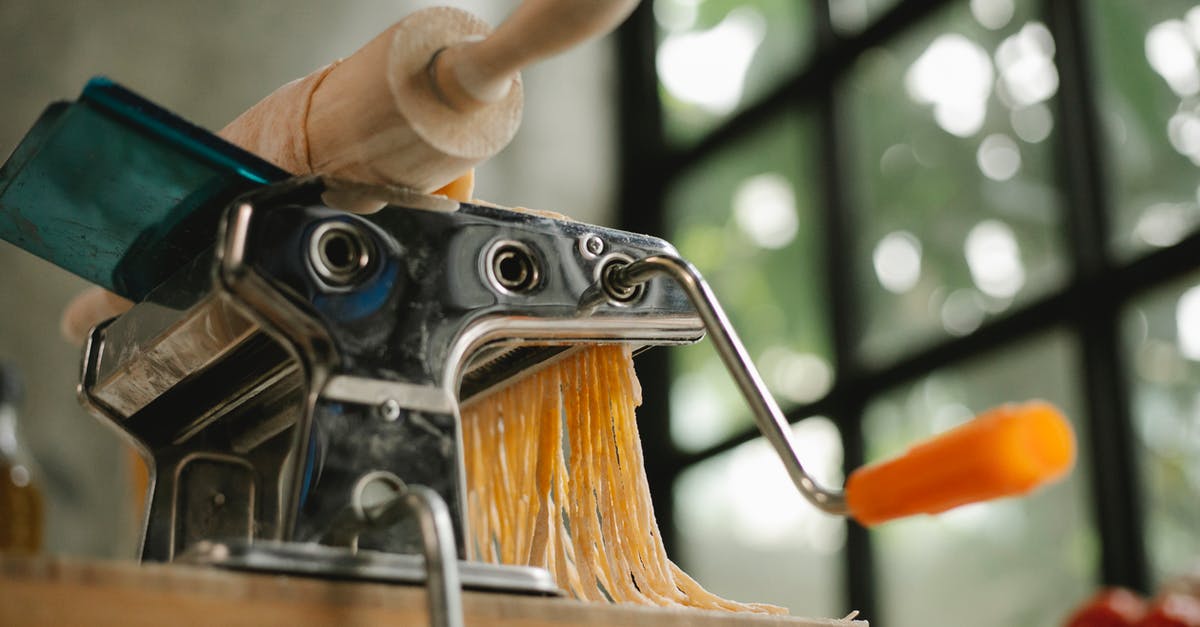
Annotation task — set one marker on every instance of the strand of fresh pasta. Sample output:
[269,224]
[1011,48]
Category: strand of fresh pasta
[509,418]
[651,557]
[477,496]
[556,478]
[543,434]
[635,535]
[583,528]
[609,514]
[626,524]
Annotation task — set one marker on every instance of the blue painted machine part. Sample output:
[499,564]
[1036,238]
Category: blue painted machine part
[119,190]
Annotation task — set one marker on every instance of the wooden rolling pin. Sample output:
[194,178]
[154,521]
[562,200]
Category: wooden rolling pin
[418,106]
[422,103]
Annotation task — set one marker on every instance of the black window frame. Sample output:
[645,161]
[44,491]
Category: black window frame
[1088,304]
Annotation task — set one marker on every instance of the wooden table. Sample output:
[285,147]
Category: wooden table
[63,591]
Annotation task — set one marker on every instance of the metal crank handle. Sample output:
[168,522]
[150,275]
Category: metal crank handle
[767,415]
[380,499]
[441,560]
[1007,451]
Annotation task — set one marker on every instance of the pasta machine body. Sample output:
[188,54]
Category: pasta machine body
[312,347]
[291,370]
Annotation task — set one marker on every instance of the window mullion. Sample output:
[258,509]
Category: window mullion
[838,227]
[1095,316]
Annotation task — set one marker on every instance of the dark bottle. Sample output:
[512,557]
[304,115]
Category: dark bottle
[21,508]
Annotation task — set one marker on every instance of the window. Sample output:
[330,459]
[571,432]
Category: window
[933,571]
[1162,338]
[915,210]
[714,57]
[746,533]
[956,214]
[1151,125]
[747,217]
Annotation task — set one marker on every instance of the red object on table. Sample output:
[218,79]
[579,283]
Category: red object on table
[1173,610]
[1111,607]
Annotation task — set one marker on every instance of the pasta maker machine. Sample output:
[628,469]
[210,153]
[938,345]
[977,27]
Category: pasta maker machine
[292,371]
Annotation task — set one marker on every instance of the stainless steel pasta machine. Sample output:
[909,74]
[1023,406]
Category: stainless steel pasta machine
[292,371]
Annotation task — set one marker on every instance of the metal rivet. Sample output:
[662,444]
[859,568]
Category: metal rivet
[389,410]
[591,246]
[218,499]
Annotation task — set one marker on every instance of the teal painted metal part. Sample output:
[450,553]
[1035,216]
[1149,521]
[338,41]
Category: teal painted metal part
[120,191]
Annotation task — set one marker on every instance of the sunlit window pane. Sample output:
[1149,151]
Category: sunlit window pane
[747,219]
[1162,338]
[1011,562]
[747,534]
[952,181]
[1148,82]
[851,16]
[714,57]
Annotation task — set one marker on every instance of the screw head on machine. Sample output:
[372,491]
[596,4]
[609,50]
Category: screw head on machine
[591,246]
[389,410]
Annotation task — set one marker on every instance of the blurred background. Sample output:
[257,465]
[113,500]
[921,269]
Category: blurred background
[913,209]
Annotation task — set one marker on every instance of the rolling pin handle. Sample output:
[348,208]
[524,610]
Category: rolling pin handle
[476,73]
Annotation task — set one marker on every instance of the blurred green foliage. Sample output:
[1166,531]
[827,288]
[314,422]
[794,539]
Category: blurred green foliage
[1152,185]
[773,296]
[786,43]
[1166,407]
[909,174]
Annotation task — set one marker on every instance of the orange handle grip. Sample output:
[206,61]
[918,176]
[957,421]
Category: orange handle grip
[1007,451]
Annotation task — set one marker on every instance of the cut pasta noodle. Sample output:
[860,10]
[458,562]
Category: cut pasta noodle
[555,479]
